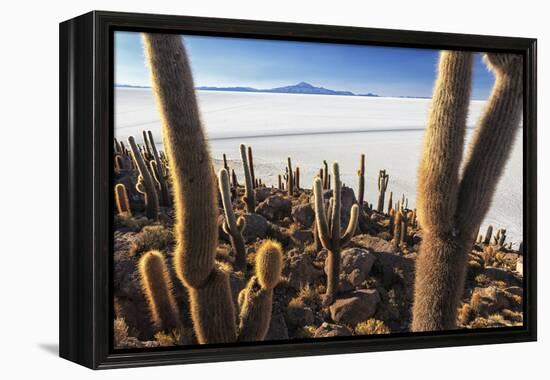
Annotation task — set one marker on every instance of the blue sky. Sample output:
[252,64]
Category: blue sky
[225,62]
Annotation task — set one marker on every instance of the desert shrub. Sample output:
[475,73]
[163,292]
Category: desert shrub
[511,315]
[120,331]
[309,296]
[152,237]
[167,340]
[371,326]
[306,331]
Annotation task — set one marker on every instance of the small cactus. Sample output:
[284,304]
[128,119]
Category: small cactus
[488,235]
[361,175]
[249,197]
[251,166]
[157,288]
[146,183]
[290,178]
[383,179]
[256,299]
[326,176]
[121,199]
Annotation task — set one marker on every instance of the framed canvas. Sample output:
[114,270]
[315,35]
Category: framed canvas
[235,189]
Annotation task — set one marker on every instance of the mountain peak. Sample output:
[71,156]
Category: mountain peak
[304,84]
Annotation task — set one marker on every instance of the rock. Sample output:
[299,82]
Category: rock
[502,275]
[516,290]
[262,193]
[327,330]
[374,243]
[347,199]
[278,329]
[256,227]
[299,269]
[302,237]
[486,301]
[356,264]
[355,307]
[304,215]
[275,208]
[299,316]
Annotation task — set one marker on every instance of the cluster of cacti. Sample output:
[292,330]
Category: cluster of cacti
[232,226]
[195,231]
[249,197]
[453,197]
[329,231]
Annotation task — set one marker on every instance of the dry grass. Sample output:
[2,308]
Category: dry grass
[372,326]
[153,237]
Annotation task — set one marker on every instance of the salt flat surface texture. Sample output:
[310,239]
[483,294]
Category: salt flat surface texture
[313,128]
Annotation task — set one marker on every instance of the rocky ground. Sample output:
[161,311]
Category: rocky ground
[376,279]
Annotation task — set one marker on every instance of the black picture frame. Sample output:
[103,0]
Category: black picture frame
[86,132]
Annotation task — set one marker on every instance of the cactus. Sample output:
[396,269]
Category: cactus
[297,178]
[249,196]
[383,179]
[488,235]
[225,166]
[231,225]
[256,299]
[279,182]
[157,288]
[195,204]
[390,203]
[234,180]
[500,237]
[448,230]
[361,175]
[251,166]
[329,231]
[121,199]
[166,198]
[326,179]
[290,178]
[146,184]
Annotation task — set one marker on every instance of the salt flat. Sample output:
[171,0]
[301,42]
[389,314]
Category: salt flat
[310,128]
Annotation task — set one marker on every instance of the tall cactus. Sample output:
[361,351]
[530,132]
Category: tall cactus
[361,175]
[146,184]
[448,230]
[231,225]
[290,178]
[195,199]
[249,196]
[383,179]
[251,166]
[157,287]
[329,231]
[166,198]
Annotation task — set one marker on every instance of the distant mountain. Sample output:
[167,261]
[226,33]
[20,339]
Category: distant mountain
[300,88]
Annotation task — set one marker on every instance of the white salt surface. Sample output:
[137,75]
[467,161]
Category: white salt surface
[311,128]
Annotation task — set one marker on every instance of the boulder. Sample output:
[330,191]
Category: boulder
[355,307]
[302,237]
[299,316]
[262,193]
[275,207]
[356,264]
[304,215]
[255,228]
[299,269]
[327,330]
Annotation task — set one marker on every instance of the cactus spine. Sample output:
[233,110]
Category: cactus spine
[448,230]
[157,287]
[329,231]
[361,174]
[383,179]
[249,196]
[231,225]
[121,199]
[257,298]
[146,184]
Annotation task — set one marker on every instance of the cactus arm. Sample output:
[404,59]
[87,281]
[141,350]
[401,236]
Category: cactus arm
[231,227]
[352,225]
[490,146]
[444,142]
[320,216]
[148,184]
[194,185]
[249,197]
